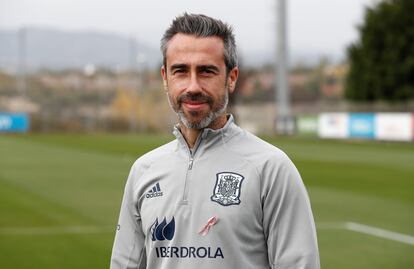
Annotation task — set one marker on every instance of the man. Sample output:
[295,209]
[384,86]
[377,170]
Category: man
[217,196]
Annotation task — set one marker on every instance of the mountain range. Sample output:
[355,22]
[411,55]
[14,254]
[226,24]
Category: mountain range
[56,49]
[45,48]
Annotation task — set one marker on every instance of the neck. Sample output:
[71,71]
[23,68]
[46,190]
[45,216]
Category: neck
[191,135]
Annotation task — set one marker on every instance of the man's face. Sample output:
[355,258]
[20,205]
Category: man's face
[195,79]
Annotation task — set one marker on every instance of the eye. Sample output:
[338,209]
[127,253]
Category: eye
[207,72]
[179,71]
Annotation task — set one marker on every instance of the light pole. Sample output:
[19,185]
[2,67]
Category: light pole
[284,120]
[21,68]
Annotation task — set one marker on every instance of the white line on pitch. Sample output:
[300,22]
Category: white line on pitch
[330,225]
[55,230]
[361,228]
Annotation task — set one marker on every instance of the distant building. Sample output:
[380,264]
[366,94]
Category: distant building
[333,81]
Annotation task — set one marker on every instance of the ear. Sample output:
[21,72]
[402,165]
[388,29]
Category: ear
[232,78]
[164,78]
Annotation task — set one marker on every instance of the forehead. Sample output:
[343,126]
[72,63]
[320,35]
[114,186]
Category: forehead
[188,49]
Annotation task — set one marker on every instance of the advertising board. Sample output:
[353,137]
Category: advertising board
[394,126]
[14,122]
[362,125]
[307,125]
[333,125]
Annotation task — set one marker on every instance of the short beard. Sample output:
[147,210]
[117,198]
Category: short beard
[206,121]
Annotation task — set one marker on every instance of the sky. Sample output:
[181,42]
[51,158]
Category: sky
[323,27]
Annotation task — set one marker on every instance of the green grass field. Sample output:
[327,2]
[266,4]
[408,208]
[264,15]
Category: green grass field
[60,198]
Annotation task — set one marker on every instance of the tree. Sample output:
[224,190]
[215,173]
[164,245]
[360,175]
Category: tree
[382,60]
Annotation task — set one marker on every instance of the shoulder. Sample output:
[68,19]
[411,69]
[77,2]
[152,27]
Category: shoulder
[157,154]
[256,150]
[277,172]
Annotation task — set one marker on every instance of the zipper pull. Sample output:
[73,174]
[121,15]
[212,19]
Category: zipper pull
[190,166]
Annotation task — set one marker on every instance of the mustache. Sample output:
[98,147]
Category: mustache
[195,97]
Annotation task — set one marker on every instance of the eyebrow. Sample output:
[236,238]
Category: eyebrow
[199,67]
[178,66]
[208,67]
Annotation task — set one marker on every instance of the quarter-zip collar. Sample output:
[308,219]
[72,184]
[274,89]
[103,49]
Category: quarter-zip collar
[207,141]
[208,137]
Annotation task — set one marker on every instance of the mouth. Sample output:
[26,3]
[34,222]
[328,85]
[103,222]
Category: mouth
[196,101]
[194,105]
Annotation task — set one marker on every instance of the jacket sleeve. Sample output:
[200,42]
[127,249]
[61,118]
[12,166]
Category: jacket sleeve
[129,245]
[287,218]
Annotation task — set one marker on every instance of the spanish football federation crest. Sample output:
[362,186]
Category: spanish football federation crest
[227,189]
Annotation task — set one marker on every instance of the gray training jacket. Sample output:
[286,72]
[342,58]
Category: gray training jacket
[232,202]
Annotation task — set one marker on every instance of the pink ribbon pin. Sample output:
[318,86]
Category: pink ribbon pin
[211,221]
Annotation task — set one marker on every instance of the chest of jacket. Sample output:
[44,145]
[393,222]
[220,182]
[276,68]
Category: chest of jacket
[193,190]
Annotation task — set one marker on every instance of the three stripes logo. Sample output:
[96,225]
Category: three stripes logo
[154,192]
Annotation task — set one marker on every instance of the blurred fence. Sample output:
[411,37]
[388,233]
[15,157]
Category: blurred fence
[372,126]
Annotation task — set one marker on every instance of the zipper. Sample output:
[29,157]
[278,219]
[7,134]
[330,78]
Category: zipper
[190,165]
[191,154]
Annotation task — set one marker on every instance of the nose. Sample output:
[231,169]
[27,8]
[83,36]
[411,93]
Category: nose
[193,84]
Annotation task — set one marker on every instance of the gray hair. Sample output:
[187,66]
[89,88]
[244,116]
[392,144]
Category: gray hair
[202,26]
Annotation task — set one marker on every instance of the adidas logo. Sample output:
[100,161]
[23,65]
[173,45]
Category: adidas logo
[154,192]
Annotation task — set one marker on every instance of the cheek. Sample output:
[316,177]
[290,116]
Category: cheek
[219,90]
[173,89]
[173,98]
[179,83]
